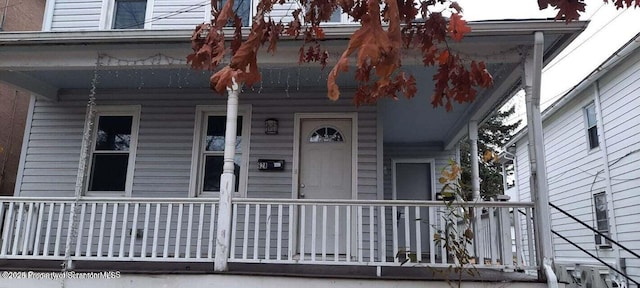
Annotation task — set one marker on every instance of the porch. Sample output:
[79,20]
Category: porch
[374,237]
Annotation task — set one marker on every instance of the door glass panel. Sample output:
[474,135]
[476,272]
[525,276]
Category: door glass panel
[326,134]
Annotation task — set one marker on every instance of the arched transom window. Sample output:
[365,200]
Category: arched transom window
[326,134]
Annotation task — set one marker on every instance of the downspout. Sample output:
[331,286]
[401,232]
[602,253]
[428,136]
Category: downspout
[227,181]
[607,172]
[538,178]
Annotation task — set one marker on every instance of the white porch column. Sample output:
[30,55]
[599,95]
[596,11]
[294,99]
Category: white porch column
[227,182]
[475,169]
[475,191]
[538,177]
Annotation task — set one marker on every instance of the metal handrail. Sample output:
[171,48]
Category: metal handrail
[595,257]
[594,230]
[587,252]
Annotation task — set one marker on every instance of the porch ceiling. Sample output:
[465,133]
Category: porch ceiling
[46,62]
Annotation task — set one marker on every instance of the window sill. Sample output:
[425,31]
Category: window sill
[105,194]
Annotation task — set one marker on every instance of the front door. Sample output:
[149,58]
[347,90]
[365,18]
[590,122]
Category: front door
[325,173]
[413,182]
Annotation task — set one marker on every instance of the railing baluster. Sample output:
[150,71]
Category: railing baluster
[134,230]
[47,236]
[83,210]
[145,230]
[92,220]
[112,233]
[290,251]
[517,227]
[123,231]
[56,249]
[432,245]
[176,252]
[348,232]
[103,220]
[493,236]
[156,231]
[407,232]
[16,234]
[3,226]
[360,235]
[234,228]
[303,222]
[324,232]
[336,236]
[371,234]
[245,235]
[200,229]
[256,232]
[27,230]
[36,248]
[394,226]
[279,236]
[212,222]
[187,252]
[383,235]
[314,220]
[530,245]
[418,234]
[267,245]
[167,231]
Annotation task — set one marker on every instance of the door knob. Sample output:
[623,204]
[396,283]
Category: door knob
[302,185]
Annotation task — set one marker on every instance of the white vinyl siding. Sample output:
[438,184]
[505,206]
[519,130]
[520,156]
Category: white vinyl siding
[184,14]
[76,15]
[575,174]
[165,140]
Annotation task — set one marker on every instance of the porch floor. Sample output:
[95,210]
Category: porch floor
[286,270]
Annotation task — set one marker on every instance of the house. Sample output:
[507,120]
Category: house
[22,16]
[591,143]
[123,166]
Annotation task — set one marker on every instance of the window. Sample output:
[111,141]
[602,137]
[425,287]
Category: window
[208,157]
[602,220]
[592,128]
[242,9]
[129,14]
[113,150]
[326,134]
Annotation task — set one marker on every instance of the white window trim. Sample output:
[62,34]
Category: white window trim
[587,127]
[115,110]
[202,111]
[108,10]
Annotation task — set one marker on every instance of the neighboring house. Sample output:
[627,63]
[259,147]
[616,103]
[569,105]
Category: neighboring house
[320,185]
[592,148]
[24,15]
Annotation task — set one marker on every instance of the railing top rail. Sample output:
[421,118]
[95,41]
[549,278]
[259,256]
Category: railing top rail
[377,202]
[265,201]
[108,200]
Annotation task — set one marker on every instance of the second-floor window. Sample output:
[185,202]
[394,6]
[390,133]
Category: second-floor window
[592,127]
[129,14]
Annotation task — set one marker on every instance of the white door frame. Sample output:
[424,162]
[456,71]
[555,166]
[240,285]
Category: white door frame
[298,117]
[430,161]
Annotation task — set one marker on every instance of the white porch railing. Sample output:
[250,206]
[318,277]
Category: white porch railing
[337,232]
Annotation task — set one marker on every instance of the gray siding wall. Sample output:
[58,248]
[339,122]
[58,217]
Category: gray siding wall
[165,139]
[575,172]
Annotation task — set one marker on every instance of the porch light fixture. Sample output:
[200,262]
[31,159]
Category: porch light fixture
[271,126]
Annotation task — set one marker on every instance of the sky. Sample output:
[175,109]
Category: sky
[607,31]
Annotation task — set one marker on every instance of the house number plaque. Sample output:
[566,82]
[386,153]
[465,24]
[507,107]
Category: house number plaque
[270,165]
